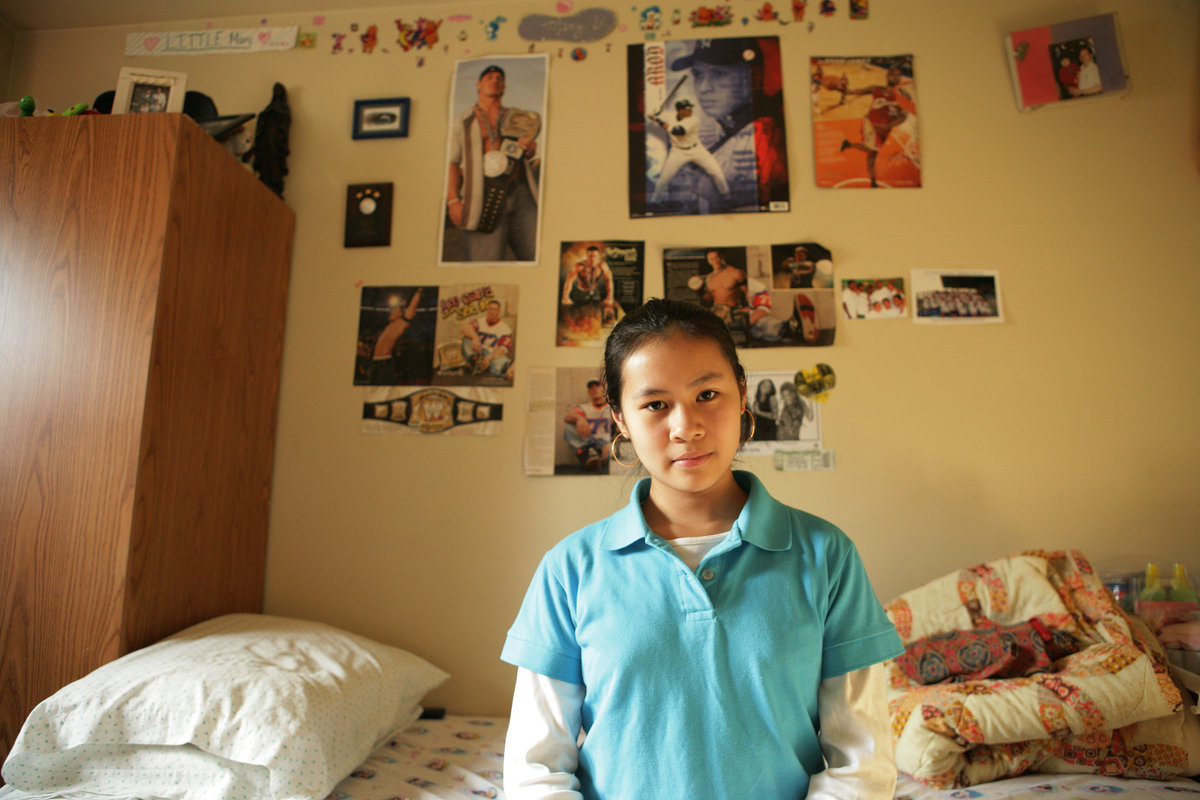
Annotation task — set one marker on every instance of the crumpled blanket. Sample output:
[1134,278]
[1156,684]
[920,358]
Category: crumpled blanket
[1109,708]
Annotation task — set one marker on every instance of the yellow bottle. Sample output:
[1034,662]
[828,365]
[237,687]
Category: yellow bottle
[1153,588]
[1181,587]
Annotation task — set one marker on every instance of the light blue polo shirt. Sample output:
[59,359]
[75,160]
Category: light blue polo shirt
[701,685]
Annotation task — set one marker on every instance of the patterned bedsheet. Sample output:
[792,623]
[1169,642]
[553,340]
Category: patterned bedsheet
[455,757]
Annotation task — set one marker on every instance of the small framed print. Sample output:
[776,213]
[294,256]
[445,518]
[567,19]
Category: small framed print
[148,91]
[381,119]
[368,215]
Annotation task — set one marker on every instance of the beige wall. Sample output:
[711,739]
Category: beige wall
[6,54]
[1072,425]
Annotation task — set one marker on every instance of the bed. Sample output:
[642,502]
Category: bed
[251,706]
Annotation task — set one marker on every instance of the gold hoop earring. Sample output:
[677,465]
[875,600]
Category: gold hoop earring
[751,434]
[616,443]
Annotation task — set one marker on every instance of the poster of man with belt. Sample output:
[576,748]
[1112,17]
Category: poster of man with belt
[491,212]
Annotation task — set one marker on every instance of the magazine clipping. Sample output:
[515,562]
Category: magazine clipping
[599,282]
[569,428]
[865,122]
[738,285]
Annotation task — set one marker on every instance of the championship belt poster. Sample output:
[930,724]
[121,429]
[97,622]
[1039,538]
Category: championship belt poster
[777,295]
[424,409]
[706,127]
[865,122]
[598,283]
[784,419]
[495,143]
[568,425]
[460,335]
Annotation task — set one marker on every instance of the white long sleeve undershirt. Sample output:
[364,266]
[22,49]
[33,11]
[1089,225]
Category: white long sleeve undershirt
[541,752]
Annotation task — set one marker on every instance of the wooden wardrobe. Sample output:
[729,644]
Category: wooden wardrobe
[143,284]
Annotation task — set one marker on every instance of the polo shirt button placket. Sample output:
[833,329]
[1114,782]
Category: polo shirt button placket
[707,574]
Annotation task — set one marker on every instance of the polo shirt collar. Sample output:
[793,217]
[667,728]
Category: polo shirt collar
[764,521]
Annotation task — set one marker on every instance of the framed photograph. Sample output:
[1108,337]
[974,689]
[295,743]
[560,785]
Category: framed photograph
[381,119]
[148,91]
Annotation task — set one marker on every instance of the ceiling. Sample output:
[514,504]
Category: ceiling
[41,15]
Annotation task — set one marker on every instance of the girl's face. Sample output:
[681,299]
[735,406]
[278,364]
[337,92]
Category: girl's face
[681,407]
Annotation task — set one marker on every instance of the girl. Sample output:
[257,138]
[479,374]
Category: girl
[706,641]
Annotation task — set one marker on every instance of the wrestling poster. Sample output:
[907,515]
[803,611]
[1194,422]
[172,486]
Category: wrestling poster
[779,295]
[865,122]
[598,283]
[706,127]
[495,143]
[463,335]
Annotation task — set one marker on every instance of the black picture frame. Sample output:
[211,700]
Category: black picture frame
[368,215]
[383,118]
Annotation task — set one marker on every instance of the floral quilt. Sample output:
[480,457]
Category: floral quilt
[1109,708]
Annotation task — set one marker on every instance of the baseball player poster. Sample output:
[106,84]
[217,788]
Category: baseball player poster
[495,147]
[598,283]
[738,285]
[865,122]
[706,127]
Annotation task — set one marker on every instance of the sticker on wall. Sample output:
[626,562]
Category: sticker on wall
[210,41]
[865,122]
[568,425]
[874,298]
[598,283]
[368,215]
[369,39]
[766,13]
[784,419]
[416,410]
[650,20]
[491,28]
[711,17]
[420,34]
[860,9]
[460,335]
[738,284]
[956,296]
[798,9]
[584,26]
[494,164]
[706,127]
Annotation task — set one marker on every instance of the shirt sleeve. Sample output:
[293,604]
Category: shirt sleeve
[855,738]
[542,637]
[857,631]
[541,750]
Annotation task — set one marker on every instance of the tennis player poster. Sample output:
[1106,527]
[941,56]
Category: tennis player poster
[865,122]
[706,129]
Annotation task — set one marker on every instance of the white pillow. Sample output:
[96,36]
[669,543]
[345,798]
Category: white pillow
[241,706]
